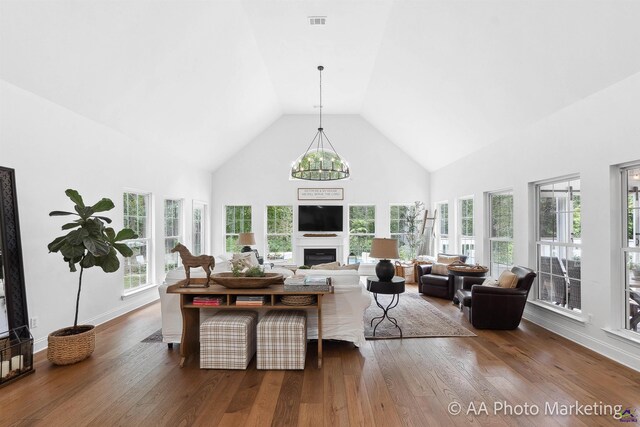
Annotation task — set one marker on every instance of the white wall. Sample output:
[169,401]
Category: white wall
[587,138]
[381,174]
[52,149]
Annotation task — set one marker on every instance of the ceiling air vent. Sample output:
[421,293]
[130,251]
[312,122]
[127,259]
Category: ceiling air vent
[317,20]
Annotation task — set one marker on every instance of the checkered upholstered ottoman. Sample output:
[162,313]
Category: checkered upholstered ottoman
[228,340]
[282,340]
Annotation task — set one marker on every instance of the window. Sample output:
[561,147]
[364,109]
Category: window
[199,228]
[398,226]
[467,239]
[631,246]
[172,232]
[237,220]
[443,227]
[362,230]
[137,216]
[558,231]
[500,231]
[279,233]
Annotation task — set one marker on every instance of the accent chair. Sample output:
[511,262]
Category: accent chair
[435,281]
[492,307]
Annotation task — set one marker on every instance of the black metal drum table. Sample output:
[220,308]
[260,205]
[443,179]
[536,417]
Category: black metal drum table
[464,271]
[395,287]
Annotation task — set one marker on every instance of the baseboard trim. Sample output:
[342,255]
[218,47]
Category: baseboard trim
[622,356]
[104,319]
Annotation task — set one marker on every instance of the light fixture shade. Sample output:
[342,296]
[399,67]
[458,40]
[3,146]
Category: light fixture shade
[246,239]
[384,248]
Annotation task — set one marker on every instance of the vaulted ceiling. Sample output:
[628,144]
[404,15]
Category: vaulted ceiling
[441,79]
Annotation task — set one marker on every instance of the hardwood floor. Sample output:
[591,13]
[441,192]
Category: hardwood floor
[385,383]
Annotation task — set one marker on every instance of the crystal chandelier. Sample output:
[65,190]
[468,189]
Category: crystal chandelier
[320,163]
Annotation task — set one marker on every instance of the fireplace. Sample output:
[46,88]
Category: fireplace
[314,256]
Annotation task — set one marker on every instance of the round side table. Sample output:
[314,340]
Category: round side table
[395,287]
[464,273]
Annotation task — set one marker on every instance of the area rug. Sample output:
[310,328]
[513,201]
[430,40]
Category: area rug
[416,317]
[154,337]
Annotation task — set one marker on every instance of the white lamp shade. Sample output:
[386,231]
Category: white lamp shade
[384,248]
[246,239]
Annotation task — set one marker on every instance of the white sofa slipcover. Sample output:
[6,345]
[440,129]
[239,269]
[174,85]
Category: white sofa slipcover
[342,311]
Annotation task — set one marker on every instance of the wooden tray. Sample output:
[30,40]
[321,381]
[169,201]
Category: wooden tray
[465,268]
[228,280]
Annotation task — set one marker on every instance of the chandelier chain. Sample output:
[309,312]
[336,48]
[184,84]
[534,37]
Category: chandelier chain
[320,69]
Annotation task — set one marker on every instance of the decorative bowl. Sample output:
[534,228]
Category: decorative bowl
[228,280]
[467,270]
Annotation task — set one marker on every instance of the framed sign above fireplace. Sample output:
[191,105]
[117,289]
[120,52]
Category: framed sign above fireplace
[320,193]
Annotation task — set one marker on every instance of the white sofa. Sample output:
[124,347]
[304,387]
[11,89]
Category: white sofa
[342,311]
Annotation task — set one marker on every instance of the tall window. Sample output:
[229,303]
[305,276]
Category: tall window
[172,232]
[199,228]
[279,232]
[362,230]
[398,226]
[443,227]
[500,231]
[237,220]
[137,216]
[631,246]
[467,237]
[558,242]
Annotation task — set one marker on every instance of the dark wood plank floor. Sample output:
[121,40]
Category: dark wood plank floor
[408,382]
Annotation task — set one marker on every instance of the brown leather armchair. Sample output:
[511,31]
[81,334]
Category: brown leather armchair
[489,307]
[435,285]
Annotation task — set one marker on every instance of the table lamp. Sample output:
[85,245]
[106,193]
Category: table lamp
[246,239]
[384,250]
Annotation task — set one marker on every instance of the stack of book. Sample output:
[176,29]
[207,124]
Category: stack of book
[307,283]
[208,301]
[251,300]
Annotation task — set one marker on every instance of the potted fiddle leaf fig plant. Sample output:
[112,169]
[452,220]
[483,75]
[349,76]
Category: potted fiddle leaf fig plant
[89,243]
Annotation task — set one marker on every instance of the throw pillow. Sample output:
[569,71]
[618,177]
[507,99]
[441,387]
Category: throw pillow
[439,269]
[249,259]
[328,266]
[490,282]
[507,280]
[349,267]
[447,259]
[222,266]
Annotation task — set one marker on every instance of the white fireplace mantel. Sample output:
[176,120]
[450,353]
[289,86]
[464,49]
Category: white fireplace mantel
[326,241]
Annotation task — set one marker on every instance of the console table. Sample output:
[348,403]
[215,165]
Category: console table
[190,340]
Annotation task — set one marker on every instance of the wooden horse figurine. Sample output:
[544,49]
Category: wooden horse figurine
[207,262]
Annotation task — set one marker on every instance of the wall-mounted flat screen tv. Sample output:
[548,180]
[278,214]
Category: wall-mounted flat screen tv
[319,218]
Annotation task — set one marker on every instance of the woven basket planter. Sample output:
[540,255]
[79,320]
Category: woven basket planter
[66,348]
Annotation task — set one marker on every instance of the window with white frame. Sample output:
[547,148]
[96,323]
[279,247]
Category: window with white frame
[631,246]
[398,226]
[172,232]
[137,216]
[467,236]
[558,241]
[198,228]
[500,231]
[362,230]
[443,227]
[279,233]
[237,220]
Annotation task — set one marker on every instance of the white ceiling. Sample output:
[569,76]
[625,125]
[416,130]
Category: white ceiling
[441,79]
